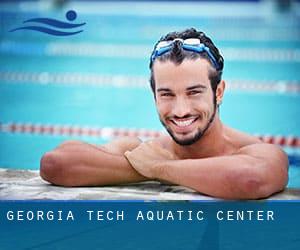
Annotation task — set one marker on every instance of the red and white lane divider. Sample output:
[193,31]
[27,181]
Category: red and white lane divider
[287,141]
[107,132]
[74,130]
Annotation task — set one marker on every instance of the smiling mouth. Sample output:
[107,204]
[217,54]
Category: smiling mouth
[184,123]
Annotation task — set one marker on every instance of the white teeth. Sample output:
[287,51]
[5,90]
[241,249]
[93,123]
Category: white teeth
[184,123]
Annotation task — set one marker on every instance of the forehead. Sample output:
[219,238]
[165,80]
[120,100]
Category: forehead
[191,71]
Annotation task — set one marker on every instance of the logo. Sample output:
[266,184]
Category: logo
[71,15]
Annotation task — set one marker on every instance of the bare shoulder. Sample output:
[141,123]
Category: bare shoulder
[265,151]
[239,138]
[253,146]
[121,145]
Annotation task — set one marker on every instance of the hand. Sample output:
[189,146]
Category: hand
[145,158]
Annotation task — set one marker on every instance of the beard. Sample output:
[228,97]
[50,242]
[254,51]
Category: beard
[197,136]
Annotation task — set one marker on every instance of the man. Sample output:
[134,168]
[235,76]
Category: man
[200,151]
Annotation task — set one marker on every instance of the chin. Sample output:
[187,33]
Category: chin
[186,140]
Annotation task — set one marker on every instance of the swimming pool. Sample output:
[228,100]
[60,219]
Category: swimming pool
[93,85]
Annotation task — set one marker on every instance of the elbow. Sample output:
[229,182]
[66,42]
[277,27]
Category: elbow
[52,169]
[255,188]
[261,185]
[253,184]
[249,188]
[49,168]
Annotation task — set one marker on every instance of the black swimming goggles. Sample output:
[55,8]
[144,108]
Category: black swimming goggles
[190,44]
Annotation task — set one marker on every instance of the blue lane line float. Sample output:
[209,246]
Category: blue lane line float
[71,15]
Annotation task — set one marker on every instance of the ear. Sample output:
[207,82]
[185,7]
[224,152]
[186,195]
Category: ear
[220,92]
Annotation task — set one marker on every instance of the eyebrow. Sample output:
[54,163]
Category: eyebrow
[164,89]
[198,86]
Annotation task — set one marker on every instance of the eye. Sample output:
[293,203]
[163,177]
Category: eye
[166,94]
[194,92]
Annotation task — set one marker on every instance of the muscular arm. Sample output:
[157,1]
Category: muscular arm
[256,171]
[76,163]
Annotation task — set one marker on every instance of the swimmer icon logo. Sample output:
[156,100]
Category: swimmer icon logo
[71,15]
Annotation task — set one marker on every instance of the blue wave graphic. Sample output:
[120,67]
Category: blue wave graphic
[54,22]
[70,16]
[47,30]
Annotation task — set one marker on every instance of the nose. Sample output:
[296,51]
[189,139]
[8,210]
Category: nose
[181,107]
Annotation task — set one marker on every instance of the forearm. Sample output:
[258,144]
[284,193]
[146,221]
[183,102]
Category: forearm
[241,177]
[110,170]
[86,165]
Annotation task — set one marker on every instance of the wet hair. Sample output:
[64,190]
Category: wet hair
[177,54]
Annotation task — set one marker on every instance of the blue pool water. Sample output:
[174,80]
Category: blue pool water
[42,77]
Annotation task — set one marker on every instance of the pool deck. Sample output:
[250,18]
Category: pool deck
[27,185]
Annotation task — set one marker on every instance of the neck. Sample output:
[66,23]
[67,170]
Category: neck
[212,143]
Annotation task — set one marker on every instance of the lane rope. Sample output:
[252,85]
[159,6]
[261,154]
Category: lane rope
[121,81]
[139,51]
[109,132]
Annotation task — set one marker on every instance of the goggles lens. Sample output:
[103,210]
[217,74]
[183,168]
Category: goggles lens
[190,44]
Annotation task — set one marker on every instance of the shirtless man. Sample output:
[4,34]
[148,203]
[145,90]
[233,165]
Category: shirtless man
[200,152]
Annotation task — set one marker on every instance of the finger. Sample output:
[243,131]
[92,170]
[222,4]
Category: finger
[129,158]
[157,147]
[150,142]
[153,143]
[154,146]
[127,153]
